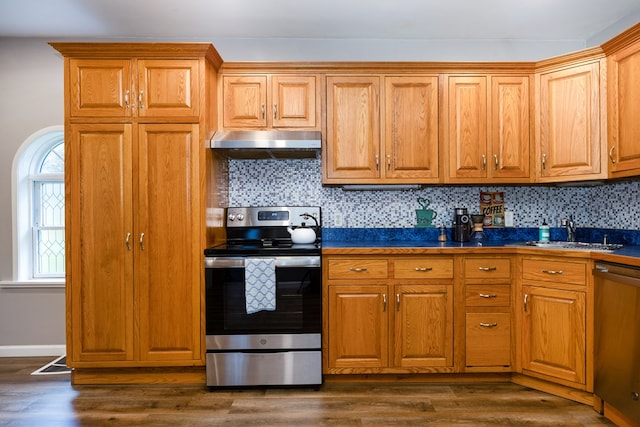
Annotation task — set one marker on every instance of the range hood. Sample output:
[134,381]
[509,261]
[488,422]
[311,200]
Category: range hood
[266,144]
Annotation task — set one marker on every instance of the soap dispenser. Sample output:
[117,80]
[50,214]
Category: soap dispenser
[543,232]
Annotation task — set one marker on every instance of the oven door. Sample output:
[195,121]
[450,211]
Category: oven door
[298,298]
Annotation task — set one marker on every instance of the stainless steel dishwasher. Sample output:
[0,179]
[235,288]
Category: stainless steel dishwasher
[617,337]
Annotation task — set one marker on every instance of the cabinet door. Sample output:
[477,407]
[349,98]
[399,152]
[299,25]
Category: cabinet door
[294,101]
[411,128]
[467,127]
[353,129]
[168,88]
[99,227]
[168,250]
[510,131]
[100,88]
[245,101]
[554,332]
[423,318]
[569,131]
[623,89]
[358,326]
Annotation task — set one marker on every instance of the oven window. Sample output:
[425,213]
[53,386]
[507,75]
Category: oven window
[298,303]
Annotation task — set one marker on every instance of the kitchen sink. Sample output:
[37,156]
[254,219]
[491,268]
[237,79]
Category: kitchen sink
[603,247]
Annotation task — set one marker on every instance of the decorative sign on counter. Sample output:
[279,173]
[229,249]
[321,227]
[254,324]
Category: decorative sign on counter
[492,206]
[424,215]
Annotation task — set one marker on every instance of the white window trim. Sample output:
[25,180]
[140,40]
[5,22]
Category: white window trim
[21,199]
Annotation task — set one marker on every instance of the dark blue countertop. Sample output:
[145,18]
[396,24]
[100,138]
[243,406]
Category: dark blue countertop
[506,238]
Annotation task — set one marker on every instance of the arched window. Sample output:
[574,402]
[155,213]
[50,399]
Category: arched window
[38,173]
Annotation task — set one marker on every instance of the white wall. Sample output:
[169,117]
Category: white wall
[31,84]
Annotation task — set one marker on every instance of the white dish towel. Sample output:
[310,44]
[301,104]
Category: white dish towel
[260,284]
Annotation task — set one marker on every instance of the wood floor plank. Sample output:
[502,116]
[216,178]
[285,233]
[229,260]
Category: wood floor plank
[51,401]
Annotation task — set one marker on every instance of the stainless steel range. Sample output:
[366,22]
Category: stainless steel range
[264,299]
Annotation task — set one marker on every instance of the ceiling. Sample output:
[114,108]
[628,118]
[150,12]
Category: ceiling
[414,20]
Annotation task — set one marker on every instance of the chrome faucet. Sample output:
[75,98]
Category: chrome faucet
[571,228]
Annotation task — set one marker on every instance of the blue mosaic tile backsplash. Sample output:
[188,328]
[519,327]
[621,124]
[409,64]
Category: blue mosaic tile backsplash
[299,182]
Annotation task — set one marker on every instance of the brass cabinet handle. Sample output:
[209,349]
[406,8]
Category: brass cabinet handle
[613,161]
[377,162]
[488,325]
[140,103]
[388,162]
[358,269]
[526,298]
[495,156]
[397,302]
[384,302]
[140,241]
[553,271]
[126,99]
[487,268]
[275,111]
[262,111]
[544,161]
[484,162]
[424,268]
[126,241]
[487,295]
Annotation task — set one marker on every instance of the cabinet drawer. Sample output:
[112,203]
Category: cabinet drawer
[483,268]
[423,268]
[488,339]
[487,295]
[358,268]
[572,272]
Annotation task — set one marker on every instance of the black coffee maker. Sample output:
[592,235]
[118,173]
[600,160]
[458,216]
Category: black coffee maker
[461,225]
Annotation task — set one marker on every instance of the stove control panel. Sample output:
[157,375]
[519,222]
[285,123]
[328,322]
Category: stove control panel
[273,216]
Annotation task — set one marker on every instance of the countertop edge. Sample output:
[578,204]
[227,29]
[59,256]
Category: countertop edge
[489,250]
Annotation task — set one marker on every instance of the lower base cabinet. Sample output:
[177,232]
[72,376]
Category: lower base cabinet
[400,322]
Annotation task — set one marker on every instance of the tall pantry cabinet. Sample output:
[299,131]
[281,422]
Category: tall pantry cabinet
[136,118]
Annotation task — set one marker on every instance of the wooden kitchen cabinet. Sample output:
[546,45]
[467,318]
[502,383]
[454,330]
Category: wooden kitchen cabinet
[556,308]
[375,138]
[264,101]
[132,278]
[488,318]
[136,187]
[133,87]
[381,322]
[488,133]
[623,92]
[570,132]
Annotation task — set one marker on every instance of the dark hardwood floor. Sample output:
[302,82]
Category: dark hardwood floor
[51,401]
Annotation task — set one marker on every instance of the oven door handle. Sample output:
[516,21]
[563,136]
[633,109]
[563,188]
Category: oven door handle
[280,261]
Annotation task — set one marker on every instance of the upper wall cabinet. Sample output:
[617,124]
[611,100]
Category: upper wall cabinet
[382,129]
[270,101]
[133,88]
[623,89]
[570,136]
[488,128]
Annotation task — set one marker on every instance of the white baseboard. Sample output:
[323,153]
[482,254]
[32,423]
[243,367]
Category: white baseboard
[32,350]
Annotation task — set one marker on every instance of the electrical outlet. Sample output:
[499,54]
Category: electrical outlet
[508,219]
[338,219]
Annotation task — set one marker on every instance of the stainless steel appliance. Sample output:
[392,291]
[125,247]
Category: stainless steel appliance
[278,345]
[461,225]
[617,337]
